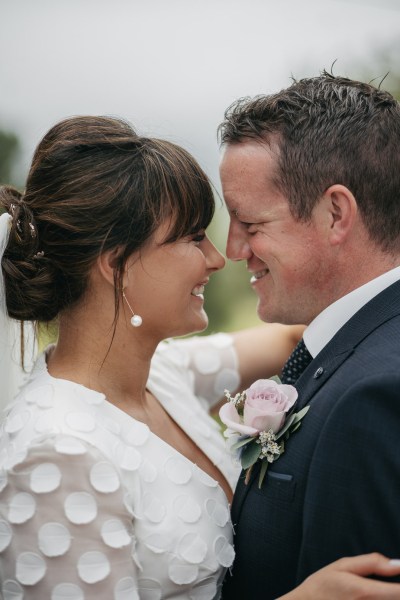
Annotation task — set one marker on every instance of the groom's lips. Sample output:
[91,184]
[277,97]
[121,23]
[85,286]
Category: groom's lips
[258,275]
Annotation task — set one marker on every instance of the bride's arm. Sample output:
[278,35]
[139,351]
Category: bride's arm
[262,351]
[347,578]
[231,361]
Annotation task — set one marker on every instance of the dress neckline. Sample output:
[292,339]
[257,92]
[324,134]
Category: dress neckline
[40,369]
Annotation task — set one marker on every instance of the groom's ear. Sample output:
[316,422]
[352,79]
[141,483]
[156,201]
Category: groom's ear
[342,213]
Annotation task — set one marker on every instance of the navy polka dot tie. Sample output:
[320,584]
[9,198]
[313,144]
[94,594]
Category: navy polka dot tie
[296,363]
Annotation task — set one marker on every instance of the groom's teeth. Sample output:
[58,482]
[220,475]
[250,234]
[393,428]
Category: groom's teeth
[198,291]
[258,275]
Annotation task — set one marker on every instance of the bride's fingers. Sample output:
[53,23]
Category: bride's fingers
[379,590]
[347,578]
[368,564]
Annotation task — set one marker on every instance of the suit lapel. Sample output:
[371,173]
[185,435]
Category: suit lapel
[240,494]
[322,368]
[382,308]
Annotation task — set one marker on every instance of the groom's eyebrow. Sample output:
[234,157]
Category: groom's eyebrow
[232,211]
[242,218]
[246,217]
[237,213]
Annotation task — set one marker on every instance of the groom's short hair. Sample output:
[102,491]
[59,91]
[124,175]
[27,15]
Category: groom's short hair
[329,130]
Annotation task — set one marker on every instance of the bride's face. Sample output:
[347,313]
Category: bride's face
[165,282]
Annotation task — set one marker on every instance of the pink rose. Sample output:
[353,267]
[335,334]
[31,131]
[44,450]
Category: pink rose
[230,417]
[266,406]
[267,403]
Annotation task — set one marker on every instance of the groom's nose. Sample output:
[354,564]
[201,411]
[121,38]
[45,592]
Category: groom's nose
[237,246]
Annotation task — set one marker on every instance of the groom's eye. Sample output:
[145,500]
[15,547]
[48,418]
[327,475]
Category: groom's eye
[251,227]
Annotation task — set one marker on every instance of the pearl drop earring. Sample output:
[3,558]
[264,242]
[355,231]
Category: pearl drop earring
[136,320]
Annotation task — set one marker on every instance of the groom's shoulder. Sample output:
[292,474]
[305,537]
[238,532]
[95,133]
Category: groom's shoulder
[375,327]
[381,342]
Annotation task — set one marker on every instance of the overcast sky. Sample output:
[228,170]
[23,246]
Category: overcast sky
[171,67]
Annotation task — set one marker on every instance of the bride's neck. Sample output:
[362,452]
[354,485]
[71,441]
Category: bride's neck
[115,363]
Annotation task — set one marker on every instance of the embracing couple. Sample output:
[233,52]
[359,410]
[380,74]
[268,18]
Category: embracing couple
[111,469]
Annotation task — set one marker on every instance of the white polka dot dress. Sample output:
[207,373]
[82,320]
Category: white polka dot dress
[93,505]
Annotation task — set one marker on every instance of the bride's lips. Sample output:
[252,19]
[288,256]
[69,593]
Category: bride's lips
[258,275]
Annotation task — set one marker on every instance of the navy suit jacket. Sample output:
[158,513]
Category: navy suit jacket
[336,490]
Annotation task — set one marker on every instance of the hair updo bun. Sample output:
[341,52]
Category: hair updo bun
[29,277]
[94,185]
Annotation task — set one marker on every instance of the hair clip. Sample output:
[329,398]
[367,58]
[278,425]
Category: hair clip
[33,230]
[39,254]
[13,208]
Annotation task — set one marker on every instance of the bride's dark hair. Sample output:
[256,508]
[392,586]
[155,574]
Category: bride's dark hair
[94,185]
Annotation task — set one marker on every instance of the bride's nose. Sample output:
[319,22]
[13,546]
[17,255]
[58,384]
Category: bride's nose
[214,259]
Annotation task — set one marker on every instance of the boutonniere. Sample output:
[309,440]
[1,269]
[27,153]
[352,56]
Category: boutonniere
[259,421]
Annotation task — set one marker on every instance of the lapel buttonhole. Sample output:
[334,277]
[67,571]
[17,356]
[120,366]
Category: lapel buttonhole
[318,373]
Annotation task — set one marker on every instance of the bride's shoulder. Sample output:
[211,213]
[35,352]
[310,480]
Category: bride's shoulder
[181,352]
[45,407]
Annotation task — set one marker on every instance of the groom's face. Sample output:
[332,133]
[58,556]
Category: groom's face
[284,256]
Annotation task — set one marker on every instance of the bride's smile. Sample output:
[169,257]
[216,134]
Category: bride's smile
[173,275]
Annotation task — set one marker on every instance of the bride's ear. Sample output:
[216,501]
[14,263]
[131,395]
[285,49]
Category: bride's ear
[107,264]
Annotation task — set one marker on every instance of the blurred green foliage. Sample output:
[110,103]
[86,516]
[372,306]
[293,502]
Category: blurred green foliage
[9,148]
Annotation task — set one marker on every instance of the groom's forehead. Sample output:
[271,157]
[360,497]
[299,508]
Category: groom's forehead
[248,165]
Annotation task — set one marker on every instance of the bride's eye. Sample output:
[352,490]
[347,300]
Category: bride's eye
[198,237]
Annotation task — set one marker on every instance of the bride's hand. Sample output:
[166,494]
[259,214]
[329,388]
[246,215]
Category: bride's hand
[346,578]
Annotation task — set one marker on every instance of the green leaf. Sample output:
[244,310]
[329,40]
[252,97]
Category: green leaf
[295,428]
[250,455]
[286,426]
[242,443]
[276,379]
[302,413]
[263,470]
[292,421]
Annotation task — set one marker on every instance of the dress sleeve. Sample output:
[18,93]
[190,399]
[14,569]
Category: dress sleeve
[65,531]
[212,364]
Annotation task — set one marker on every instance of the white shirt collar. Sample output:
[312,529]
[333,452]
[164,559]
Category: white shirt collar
[322,329]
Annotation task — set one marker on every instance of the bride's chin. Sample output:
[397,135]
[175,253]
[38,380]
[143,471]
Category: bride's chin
[201,325]
[204,324]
